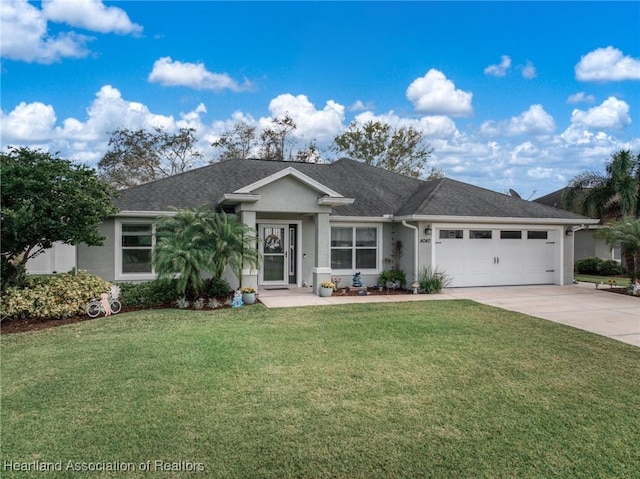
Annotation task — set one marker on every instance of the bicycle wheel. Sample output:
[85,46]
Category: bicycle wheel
[93,309]
[115,306]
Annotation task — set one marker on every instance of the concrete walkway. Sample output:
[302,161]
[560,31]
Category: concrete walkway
[581,306]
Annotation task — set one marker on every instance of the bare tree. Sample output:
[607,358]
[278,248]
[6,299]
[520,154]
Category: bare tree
[140,156]
[236,143]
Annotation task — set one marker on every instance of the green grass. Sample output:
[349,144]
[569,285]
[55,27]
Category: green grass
[602,279]
[425,389]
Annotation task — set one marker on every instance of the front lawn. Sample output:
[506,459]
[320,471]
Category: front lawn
[434,389]
[620,281]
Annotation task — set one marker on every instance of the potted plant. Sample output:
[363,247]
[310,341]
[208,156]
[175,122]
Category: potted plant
[248,295]
[326,289]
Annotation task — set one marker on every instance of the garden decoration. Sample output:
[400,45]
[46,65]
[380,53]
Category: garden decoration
[107,304]
[237,300]
[357,281]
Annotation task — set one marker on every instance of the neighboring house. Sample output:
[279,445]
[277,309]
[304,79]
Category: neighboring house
[586,241]
[315,221]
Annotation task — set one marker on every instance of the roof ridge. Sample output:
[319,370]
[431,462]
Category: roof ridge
[431,194]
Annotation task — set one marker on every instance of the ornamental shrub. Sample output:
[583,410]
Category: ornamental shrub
[432,281]
[589,265]
[151,293]
[609,267]
[56,296]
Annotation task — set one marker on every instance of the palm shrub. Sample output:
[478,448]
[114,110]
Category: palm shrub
[200,240]
[432,281]
[625,233]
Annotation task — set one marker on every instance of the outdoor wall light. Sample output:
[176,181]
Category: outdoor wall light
[569,231]
[427,231]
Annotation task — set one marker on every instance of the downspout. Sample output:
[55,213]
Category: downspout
[415,248]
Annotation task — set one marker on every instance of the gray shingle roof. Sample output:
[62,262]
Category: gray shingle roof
[376,191]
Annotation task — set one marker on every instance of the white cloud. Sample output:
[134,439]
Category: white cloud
[108,112]
[192,75]
[524,154]
[612,113]
[534,121]
[321,125]
[359,105]
[28,122]
[24,36]
[91,15]
[528,71]
[437,95]
[581,97]
[500,69]
[430,126]
[540,173]
[607,64]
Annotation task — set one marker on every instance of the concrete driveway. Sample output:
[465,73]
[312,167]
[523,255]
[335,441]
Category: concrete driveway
[582,306]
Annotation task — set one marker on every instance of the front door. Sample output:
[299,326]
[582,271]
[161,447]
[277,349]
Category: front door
[275,245]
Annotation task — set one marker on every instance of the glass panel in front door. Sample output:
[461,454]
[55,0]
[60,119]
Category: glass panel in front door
[274,252]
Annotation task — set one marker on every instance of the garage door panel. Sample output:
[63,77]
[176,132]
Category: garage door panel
[506,256]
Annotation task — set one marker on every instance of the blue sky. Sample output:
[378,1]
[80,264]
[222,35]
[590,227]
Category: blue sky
[520,95]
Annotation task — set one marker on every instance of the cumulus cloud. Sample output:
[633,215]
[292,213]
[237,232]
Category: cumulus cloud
[435,94]
[534,121]
[500,69]
[540,172]
[436,126]
[28,122]
[108,112]
[612,113]
[25,37]
[91,15]
[607,64]
[359,105]
[528,71]
[321,125]
[192,75]
[581,97]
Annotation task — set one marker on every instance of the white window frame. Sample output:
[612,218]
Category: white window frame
[118,253]
[354,226]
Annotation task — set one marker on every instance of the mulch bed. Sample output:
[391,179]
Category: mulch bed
[370,292]
[36,324]
[618,291]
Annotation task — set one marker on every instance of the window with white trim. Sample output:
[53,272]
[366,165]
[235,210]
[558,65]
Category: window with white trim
[136,247]
[354,248]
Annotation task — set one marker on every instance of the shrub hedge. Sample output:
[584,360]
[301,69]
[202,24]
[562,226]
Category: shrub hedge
[597,266]
[56,296]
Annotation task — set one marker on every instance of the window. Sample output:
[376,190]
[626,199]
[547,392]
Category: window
[541,235]
[137,247]
[616,253]
[510,234]
[450,234]
[480,234]
[354,247]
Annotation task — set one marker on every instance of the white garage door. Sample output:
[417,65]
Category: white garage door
[496,256]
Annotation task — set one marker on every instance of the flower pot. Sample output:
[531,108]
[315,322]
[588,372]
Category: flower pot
[325,292]
[249,298]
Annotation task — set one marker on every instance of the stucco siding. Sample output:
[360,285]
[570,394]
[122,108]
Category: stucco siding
[100,260]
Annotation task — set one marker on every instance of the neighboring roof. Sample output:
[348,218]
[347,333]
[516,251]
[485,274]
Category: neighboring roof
[553,199]
[377,192]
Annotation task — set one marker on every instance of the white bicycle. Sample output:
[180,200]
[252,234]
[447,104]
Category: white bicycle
[95,307]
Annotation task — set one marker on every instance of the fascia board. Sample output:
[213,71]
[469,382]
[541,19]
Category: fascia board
[497,219]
